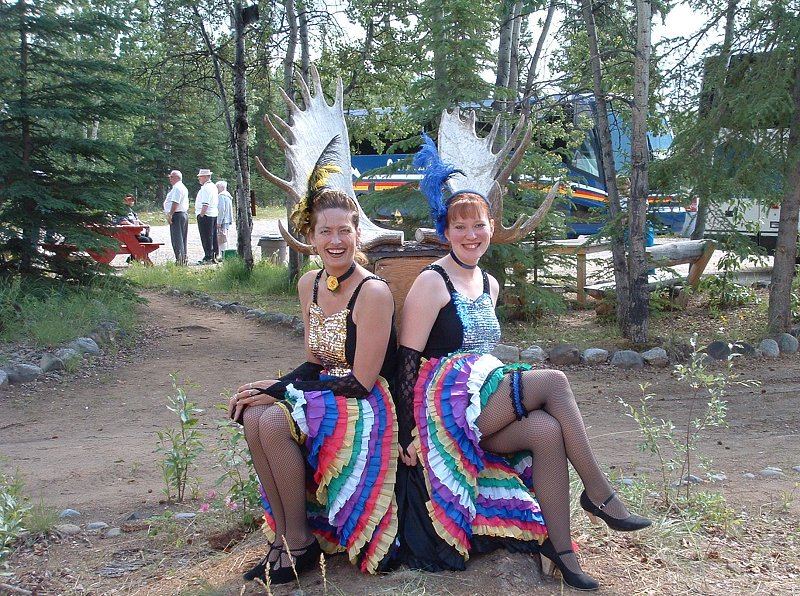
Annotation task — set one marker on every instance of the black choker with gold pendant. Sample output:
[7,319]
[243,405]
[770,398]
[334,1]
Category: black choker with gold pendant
[334,282]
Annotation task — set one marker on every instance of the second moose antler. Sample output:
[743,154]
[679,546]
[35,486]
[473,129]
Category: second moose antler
[482,168]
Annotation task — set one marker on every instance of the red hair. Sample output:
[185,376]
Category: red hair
[467,205]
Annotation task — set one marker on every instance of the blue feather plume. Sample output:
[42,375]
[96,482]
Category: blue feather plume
[436,173]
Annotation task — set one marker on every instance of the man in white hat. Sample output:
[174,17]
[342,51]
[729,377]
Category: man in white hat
[205,208]
[176,207]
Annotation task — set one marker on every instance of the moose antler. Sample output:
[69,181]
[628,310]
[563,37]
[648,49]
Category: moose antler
[303,139]
[482,169]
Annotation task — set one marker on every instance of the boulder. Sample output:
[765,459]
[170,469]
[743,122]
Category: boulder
[85,345]
[627,359]
[564,354]
[533,355]
[787,343]
[22,373]
[4,382]
[595,356]
[506,353]
[718,350]
[656,357]
[769,348]
[50,362]
[68,356]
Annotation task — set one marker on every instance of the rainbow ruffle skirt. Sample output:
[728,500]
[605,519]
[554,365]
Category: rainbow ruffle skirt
[473,493]
[352,456]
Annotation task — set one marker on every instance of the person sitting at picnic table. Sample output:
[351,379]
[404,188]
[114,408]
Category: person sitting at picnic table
[132,219]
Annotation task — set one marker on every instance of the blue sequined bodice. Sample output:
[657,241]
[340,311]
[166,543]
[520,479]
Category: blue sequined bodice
[481,327]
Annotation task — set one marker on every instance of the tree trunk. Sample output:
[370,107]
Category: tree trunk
[30,237]
[779,316]
[609,172]
[241,152]
[295,258]
[527,91]
[637,202]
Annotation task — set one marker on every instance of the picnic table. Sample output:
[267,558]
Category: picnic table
[127,244]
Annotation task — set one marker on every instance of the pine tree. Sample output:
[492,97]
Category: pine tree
[65,98]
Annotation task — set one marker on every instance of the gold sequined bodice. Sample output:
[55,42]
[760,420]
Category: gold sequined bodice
[326,338]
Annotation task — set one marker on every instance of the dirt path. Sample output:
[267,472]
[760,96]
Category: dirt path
[88,444]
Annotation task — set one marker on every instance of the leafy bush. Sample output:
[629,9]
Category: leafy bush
[13,509]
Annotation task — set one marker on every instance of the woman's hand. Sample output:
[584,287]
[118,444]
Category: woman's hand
[249,395]
[409,455]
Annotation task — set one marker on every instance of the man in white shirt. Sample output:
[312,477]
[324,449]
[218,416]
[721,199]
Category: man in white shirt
[205,208]
[224,214]
[176,207]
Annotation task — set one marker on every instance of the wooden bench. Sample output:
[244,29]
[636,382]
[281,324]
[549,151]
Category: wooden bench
[697,253]
[127,244]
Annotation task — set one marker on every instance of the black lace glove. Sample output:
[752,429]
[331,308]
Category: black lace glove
[305,372]
[347,386]
[405,378]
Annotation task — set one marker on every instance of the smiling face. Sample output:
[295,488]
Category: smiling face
[469,227]
[335,236]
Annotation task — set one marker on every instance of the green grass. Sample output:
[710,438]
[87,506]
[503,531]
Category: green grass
[49,313]
[268,286]
[156,217]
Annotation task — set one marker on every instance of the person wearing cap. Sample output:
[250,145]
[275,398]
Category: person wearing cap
[205,208]
[176,208]
[224,216]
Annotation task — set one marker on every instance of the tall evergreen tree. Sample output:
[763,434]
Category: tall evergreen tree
[59,151]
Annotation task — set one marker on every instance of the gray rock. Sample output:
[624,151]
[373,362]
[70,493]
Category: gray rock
[4,382]
[506,353]
[628,481]
[85,345]
[68,356]
[795,331]
[113,533]
[595,356]
[718,350]
[692,479]
[68,529]
[720,477]
[50,362]
[749,476]
[796,468]
[771,472]
[627,359]
[254,313]
[22,373]
[97,525]
[563,354]
[299,327]
[787,343]
[185,515]
[769,348]
[533,355]
[69,513]
[656,357]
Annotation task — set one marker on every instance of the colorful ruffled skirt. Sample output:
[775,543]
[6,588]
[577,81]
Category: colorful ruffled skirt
[476,498]
[351,451]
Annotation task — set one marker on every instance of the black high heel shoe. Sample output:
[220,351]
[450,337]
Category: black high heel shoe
[551,559]
[260,569]
[630,524]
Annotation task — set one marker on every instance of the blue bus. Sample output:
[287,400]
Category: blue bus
[587,208]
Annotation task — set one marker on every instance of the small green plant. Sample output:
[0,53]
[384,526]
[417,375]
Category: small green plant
[677,448]
[40,519]
[13,509]
[238,474]
[180,446]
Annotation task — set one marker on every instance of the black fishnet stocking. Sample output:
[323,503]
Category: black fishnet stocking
[280,466]
[549,390]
